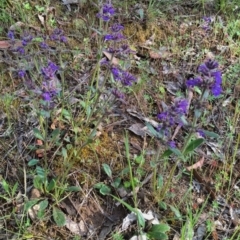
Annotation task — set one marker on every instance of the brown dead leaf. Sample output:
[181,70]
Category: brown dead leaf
[41,19]
[110,57]
[76,228]
[196,165]
[4,44]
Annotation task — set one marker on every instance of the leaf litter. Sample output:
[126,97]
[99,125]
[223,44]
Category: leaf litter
[162,59]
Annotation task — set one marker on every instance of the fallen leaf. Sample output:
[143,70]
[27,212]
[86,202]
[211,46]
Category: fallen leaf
[196,165]
[41,19]
[110,57]
[76,228]
[4,44]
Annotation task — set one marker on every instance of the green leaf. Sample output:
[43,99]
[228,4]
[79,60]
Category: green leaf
[210,134]
[177,152]
[162,205]
[51,185]
[193,145]
[158,235]
[153,131]
[66,114]
[158,231]
[140,218]
[160,181]
[30,204]
[107,169]
[38,182]
[43,205]
[38,134]
[116,182]
[41,214]
[105,190]
[14,189]
[55,134]
[64,153]
[176,212]
[160,228]
[41,172]
[59,217]
[5,185]
[167,154]
[33,162]
[73,189]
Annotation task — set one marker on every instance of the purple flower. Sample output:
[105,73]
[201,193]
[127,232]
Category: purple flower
[58,35]
[181,106]
[49,71]
[211,77]
[27,38]
[118,94]
[216,89]
[10,35]
[208,67]
[44,45]
[107,12]
[116,27]
[63,39]
[116,73]
[172,144]
[46,96]
[114,37]
[128,79]
[125,77]
[201,132]
[173,114]
[194,82]
[21,73]
[20,50]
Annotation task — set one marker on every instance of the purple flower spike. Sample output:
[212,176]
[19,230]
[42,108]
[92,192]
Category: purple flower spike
[27,38]
[10,35]
[107,12]
[116,73]
[43,45]
[114,37]
[207,67]
[128,79]
[118,94]
[116,27]
[216,89]
[21,73]
[194,82]
[182,106]
[49,71]
[172,144]
[20,50]
[46,96]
